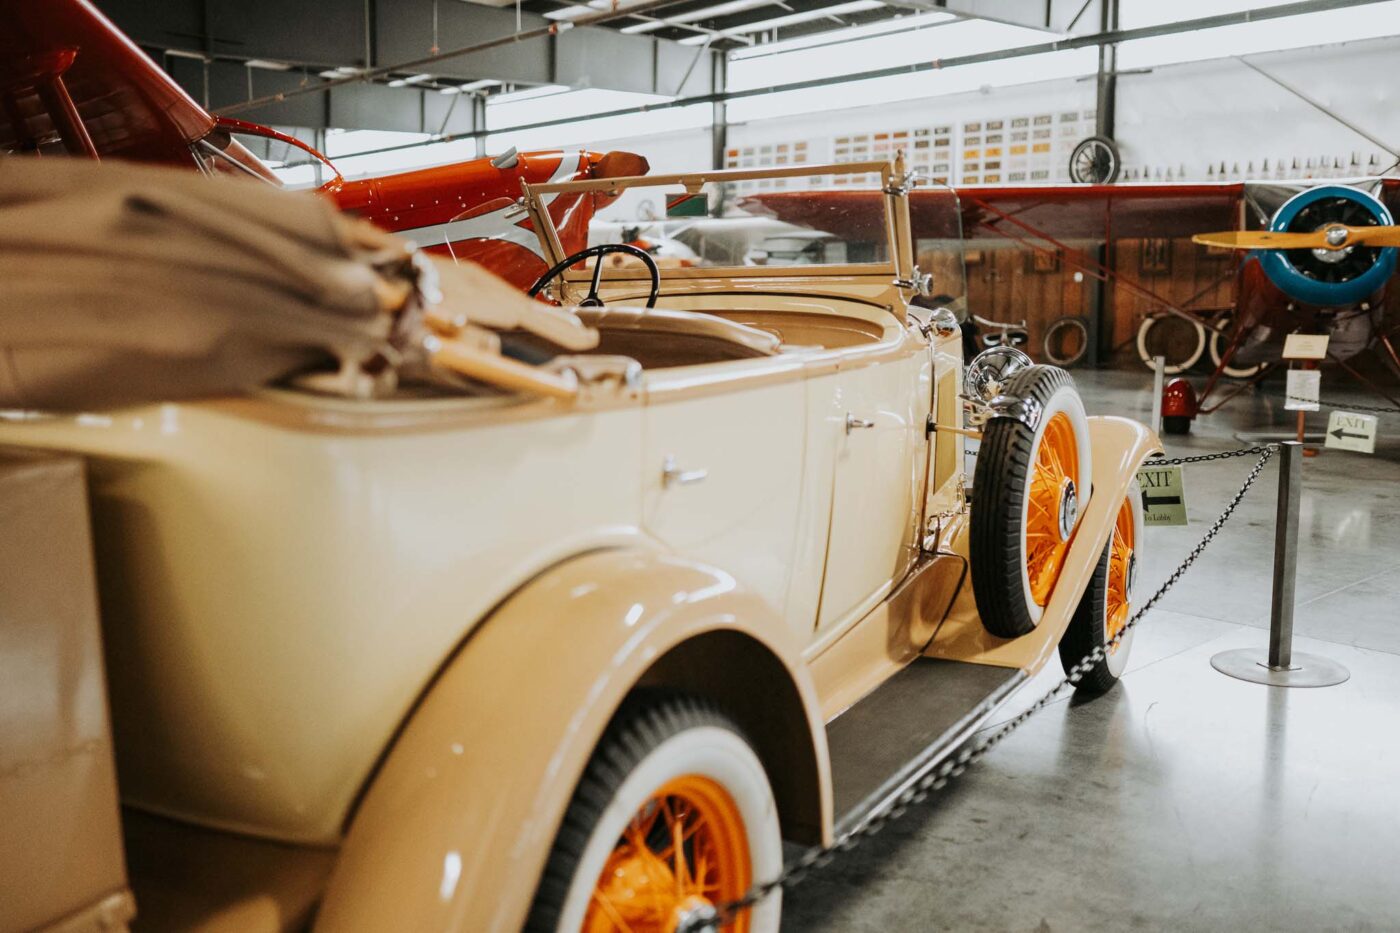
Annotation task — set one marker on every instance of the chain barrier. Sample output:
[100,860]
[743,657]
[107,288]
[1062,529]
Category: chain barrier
[1345,406]
[1223,455]
[709,919]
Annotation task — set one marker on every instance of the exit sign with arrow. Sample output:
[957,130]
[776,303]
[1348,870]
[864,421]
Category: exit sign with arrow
[1348,430]
[1163,495]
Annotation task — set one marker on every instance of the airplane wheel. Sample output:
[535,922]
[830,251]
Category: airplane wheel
[1219,342]
[667,769]
[1030,482]
[1179,342]
[1176,424]
[1107,604]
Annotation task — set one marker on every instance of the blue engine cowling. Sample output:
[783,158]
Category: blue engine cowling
[1329,279]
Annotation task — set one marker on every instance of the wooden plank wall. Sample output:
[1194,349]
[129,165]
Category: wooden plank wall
[1003,284]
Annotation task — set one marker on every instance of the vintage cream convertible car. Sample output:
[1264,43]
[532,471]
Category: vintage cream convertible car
[582,654]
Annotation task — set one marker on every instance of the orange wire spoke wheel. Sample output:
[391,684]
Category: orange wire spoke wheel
[1121,569]
[1105,608]
[685,848]
[1052,506]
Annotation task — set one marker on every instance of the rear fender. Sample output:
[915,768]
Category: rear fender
[454,829]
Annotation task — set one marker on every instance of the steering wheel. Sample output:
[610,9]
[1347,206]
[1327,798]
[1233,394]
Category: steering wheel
[591,300]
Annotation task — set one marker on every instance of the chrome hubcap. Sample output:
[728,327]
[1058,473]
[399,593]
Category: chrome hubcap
[1069,508]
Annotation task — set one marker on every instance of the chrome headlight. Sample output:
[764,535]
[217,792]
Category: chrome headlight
[990,370]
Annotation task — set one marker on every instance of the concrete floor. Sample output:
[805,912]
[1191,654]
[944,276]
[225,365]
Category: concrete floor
[1183,799]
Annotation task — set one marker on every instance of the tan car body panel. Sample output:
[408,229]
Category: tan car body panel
[263,641]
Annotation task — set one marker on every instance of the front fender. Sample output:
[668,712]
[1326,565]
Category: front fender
[1119,447]
[454,829]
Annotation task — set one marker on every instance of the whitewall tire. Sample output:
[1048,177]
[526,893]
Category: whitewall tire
[667,765]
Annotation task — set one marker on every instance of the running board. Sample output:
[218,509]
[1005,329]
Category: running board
[906,728]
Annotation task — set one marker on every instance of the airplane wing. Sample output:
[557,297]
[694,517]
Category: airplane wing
[72,82]
[1061,212]
[1100,212]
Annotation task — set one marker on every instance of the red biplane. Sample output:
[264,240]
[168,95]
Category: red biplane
[1137,240]
[72,83]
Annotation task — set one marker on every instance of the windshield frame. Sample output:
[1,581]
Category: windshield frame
[232,125]
[893,184]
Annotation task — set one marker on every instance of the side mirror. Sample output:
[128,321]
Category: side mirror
[990,370]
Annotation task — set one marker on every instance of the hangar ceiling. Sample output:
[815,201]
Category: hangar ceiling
[335,63]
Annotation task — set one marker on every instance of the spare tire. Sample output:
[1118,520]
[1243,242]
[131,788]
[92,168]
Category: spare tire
[1030,481]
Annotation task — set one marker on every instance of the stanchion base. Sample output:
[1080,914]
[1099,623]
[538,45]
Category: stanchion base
[1275,437]
[1252,664]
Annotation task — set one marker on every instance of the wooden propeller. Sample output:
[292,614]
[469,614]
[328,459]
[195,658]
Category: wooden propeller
[1332,236]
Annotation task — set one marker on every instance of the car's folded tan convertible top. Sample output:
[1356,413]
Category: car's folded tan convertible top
[122,284]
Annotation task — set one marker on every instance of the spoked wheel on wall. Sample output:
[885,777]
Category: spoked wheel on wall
[1095,161]
[1030,479]
[1107,604]
[674,813]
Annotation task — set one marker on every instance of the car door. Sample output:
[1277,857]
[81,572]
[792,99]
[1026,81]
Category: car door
[874,416]
[723,477]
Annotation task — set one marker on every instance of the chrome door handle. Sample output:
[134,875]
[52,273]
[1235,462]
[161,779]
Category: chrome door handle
[852,423]
[672,475]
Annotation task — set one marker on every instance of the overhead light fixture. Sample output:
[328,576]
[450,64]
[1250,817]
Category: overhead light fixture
[529,93]
[695,16]
[884,27]
[580,10]
[792,19]
[575,11]
[411,79]
[180,53]
[267,64]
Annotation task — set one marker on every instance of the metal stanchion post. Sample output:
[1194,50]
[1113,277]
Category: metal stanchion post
[1159,376]
[1290,497]
[1280,667]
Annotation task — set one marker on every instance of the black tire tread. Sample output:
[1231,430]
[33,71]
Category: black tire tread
[645,720]
[1085,631]
[1000,479]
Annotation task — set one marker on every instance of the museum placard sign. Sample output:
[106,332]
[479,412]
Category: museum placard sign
[1304,389]
[1305,347]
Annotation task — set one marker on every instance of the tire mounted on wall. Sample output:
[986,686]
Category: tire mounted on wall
[1014,563]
